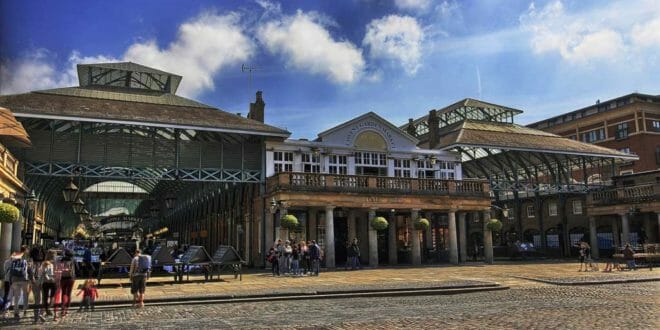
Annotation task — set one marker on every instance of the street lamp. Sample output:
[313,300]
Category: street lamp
[78,206]
[31,200]
[70,192]
[504,210]
[154,211]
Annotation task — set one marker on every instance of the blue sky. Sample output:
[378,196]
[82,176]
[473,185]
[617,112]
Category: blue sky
[320,63]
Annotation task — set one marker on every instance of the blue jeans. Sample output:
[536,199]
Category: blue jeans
[631,264]
[316,266]
[294,266]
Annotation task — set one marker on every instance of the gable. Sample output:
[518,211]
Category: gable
[369,131]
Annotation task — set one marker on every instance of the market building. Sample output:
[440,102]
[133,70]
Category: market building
[626,209]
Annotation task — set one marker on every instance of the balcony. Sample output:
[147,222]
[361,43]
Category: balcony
[323,182]
[625,195]
[8,162]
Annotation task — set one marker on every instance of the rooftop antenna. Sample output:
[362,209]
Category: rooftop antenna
[249,69]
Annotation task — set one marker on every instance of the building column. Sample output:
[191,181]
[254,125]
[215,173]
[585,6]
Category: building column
[269,231]
[657,237]
[625,228]
[593,237]
[615,232]
[462,237]
[414,238]
[453,243]
[312,224]
[488,239]
[5,240]
[373,240]
[16,239]
[329,237]
[352,233]
[392,257]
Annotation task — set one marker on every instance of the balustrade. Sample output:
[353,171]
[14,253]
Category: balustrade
[360,183]
[638,193]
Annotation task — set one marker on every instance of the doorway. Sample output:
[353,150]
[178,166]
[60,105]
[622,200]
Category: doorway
[341,239]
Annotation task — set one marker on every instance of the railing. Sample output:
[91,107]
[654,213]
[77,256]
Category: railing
[622,195]
[320,182]
[8,162]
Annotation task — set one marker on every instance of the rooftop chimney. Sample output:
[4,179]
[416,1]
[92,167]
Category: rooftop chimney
[434,123]
[257,108]
[410,129]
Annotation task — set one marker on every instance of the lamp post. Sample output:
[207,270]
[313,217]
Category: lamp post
[70,192]
[170,200]
[30,205]
[78,206]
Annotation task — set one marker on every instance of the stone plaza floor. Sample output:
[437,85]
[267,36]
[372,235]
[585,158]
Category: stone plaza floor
[538,297]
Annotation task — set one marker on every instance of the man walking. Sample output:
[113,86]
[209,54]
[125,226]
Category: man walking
[19,272]
[139,274]
[315,255]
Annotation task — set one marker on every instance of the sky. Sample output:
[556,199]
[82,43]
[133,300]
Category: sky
[320,63]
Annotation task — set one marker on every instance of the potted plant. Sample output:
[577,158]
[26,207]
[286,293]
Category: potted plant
[9,213]
[289,221]
[494,225]
[421,224]
[379,223]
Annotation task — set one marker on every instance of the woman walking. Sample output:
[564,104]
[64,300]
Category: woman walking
[65,272]
[48,285]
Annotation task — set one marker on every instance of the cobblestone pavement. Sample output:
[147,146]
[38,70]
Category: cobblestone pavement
[382,278]
[614,306]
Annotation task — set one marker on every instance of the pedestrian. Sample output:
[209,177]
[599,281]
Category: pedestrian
[582,251]
[475,251]
[629,257]
[306,257]
[349,255]
[6,285]
[315,256]
[139,274]
[65,275]
[48,285]
[295,261]
[36,286]
[19,271]
[273,258]
[90,293]
[355,247]
[287,257]
[279,248]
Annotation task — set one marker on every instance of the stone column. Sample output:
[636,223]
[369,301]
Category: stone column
[329,237]
[373,241]
[5,240]
[615,233]
[648,228]
[414,238]
[625,229]
[16,239]
[312,224]
[269,231]
[392,257]
[352,232]
[462,237]
[657,237]
[593,237]
[488,239]
[453,244]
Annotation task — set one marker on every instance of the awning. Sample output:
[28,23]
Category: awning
[12,132]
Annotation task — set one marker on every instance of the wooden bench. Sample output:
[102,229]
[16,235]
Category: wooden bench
[640,258]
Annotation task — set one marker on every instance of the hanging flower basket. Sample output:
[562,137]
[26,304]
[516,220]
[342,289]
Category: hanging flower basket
[421,224]
[289,221]
[494,225]
[379,223]
[8,213]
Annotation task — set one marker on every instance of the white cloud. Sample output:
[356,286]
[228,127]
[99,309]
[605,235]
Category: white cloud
[307,44]
[203,47]
[37,71]
[606,33]
[397,38]
[412,4]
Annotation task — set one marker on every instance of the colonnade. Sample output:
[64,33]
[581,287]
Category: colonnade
[622,219]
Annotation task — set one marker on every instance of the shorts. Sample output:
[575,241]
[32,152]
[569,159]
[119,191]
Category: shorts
[138,284]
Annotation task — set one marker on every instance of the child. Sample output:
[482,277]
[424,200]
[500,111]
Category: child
[89,295]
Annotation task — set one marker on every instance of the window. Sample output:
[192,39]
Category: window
[552,209]
[283,161]
[402,168]
[338,164]
[370,158]
[577,207]
[425,169]
[621,131]
[311,163]
[593,136]
[656,125]
[530,211]
[447,171]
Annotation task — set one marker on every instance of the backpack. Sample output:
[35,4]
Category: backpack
[19,268]
[144,264]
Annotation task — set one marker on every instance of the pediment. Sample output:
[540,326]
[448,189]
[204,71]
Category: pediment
[369,132]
